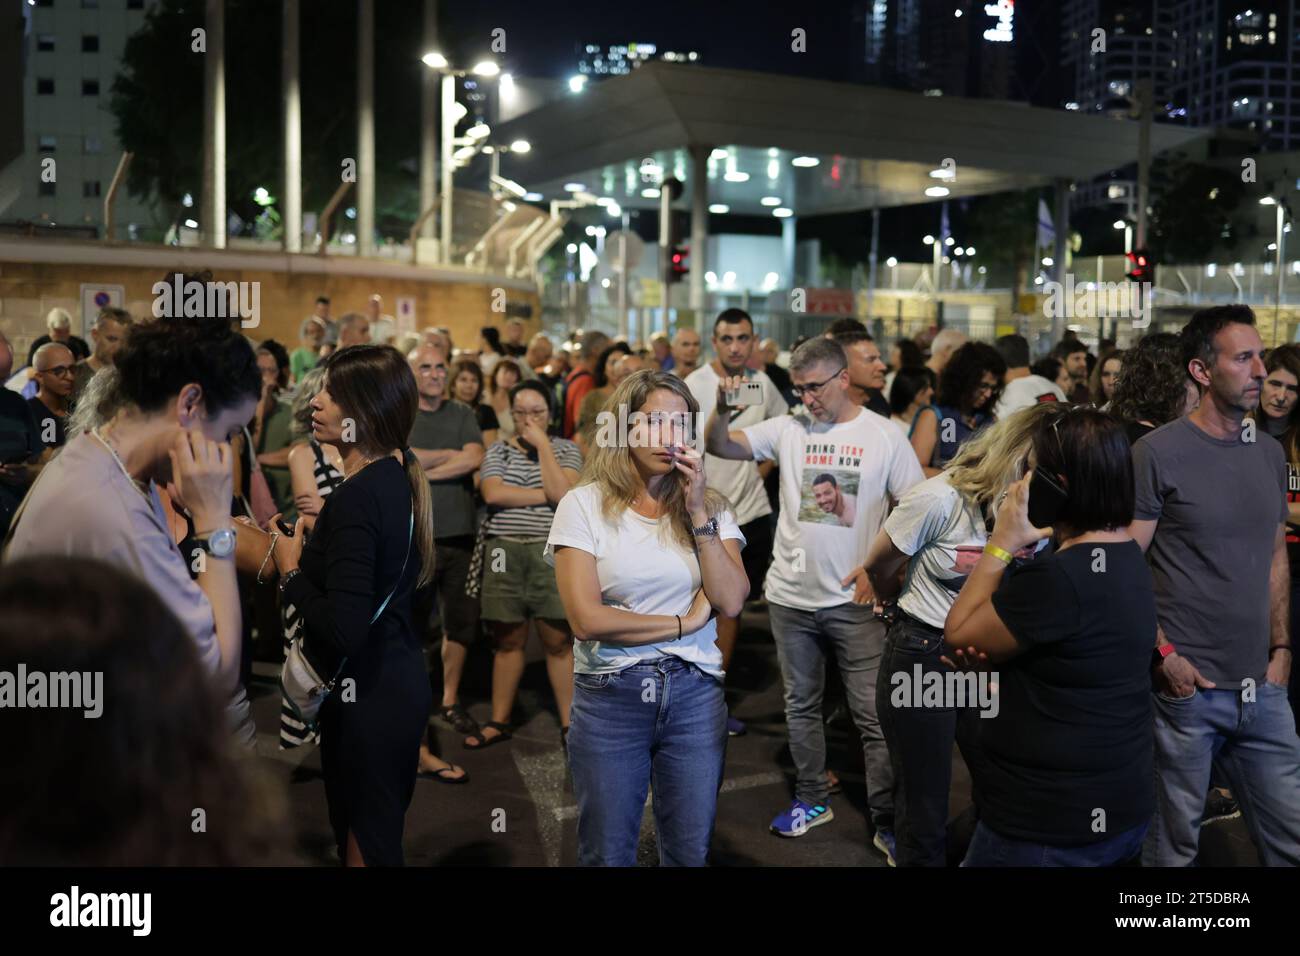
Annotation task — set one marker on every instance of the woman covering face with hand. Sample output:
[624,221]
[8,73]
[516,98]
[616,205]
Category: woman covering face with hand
[644,556]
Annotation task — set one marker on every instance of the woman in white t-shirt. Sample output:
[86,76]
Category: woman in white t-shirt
[644,556]
[942,525]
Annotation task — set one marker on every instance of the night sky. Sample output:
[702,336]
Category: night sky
[543,39]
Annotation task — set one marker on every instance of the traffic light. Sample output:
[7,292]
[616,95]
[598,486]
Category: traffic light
[677,267]
[1140,267]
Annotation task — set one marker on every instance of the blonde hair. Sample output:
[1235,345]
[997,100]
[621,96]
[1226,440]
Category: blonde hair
[609,465]
[989,462]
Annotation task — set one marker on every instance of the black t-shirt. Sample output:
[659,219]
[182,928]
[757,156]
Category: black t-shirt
[1292,490]
[20,443]
[43,414]
[877,403]
[1135,430]
[1074,733]
[781,379]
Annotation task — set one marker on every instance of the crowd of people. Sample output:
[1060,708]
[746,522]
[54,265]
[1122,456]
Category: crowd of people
[1078,569]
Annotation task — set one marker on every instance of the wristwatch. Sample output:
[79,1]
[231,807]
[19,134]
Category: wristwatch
[708,529]
[1162,651]
[219,543]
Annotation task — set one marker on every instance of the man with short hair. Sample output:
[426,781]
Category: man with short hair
[827,494]
[866,371]
[513,340]
[54,363]
[741,482]
[321,310]
[1023,389]
[1211,514]
[1073,354]
[662,350]
[381,327]
[686,352]
[354,329]
[538,354]
[108,335]
[818,595]
[58,324]
[449,445]
[945,342]
[582,379]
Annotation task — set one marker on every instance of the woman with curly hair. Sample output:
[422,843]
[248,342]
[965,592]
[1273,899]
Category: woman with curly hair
[969,386]
[1153,386]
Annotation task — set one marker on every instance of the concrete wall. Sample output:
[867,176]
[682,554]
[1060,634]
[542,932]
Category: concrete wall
[36,276]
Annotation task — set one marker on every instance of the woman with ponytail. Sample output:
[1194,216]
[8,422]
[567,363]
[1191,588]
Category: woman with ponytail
[351,584]
[644,555]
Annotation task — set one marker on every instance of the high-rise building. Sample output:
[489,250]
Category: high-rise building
[1236,67]
[71,55]
[949,47]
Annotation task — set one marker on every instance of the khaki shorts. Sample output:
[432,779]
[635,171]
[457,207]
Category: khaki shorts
[518,584]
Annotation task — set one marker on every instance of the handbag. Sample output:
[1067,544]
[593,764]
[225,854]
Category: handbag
[301,687]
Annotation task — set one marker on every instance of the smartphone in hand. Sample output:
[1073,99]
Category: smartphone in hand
[745,394]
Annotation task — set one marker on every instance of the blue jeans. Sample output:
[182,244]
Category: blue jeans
[1254,743]
[804,639]
[990,848]
[660,723]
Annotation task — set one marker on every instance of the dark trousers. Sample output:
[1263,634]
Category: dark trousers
[920,743]
[458,612]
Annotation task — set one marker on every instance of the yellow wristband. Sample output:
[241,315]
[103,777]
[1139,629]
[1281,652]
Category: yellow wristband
[1006,557]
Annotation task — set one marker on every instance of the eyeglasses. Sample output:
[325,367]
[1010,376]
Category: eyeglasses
[815,387]
[531,413]
[62,371]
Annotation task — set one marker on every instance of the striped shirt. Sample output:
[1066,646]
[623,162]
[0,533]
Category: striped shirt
[512,466]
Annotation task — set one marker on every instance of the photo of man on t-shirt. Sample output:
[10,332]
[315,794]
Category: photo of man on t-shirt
[832,504]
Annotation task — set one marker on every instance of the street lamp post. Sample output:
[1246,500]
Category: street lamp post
[1280,235]
[485,68]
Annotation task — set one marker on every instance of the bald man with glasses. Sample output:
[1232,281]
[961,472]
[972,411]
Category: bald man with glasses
[54,363]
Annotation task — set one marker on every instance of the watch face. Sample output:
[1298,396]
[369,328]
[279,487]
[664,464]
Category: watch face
[221,543]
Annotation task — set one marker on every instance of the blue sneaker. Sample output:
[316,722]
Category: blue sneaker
[735,728]
[800,818]
[884,842]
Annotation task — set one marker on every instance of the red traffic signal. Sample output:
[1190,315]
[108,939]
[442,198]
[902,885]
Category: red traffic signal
[1140,267]
[677,267]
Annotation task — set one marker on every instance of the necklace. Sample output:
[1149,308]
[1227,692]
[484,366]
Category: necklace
[138,485]
[347,475]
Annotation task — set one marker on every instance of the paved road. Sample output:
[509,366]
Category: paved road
[523,785]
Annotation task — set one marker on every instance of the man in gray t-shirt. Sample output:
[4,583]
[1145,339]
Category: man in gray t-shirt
[1211,515]
[447,441]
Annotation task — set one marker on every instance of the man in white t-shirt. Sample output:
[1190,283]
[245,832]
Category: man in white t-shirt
[740,481]
[813,606]
[1022,389]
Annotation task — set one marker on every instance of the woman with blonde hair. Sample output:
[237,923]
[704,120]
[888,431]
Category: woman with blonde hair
[644,556]
[942,525]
